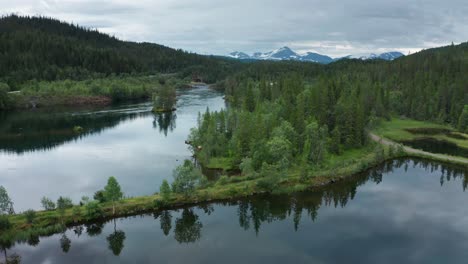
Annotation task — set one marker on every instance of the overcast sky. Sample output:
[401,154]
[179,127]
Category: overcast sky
[331,27]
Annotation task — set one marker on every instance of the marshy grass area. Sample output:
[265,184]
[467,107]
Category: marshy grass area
[406,130]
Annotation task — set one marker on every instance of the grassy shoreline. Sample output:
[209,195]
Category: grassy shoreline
[399,130]
[337,168]
[50,222]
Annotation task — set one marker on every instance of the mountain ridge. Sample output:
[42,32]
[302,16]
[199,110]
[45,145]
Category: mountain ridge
[286,53]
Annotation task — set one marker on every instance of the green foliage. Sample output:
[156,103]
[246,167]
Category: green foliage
[463,120]
[164,98]
[47,204]
[64,203]
[186,178]
[315,143]
[6,205]
[246,166]
[51,54]
[76,212]
[4,223]
[99,196]
[379,153]
[271,176]
[4,99]
[93,210]
[222,180]
[165,191]
[30,216]
[113,192]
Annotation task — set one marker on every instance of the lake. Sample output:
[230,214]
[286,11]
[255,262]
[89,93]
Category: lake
[40,155]
[404,211]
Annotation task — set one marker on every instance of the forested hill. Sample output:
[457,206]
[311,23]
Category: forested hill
[428,85]
[47,49]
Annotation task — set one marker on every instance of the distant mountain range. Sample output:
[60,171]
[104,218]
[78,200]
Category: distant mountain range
[285,53]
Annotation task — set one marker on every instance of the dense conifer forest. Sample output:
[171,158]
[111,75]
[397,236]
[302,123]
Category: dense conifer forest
[285,114]
[47,49]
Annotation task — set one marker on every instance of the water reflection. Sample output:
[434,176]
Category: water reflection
[29,131]
[301,212]
[41,155]
[116,240]
[437,146]
[165,122]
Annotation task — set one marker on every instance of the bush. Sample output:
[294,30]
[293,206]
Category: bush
[379,153]
[64,203]
[223,180]
[267,184]
[158,203]
[47,204]
[76,212]
[304,176]
[391,150]
[30,216]
[165,191]
[186,178]
[93,210]
[99,196]
[4,223]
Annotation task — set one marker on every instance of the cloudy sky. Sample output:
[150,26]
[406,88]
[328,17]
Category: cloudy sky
[332,27]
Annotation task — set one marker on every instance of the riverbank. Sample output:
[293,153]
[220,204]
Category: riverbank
[48,222]
[93,92]
[336,168]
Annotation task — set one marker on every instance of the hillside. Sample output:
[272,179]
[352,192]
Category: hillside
[47,49]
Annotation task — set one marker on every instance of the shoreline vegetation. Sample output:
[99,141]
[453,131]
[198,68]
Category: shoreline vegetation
[23,227]
[94,92]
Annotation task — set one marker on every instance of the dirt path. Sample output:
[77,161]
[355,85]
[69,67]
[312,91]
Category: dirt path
[417,151]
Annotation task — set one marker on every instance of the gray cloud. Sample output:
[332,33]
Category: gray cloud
[334,27]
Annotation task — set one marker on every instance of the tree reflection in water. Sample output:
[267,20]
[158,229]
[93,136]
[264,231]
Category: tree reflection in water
[254,211]
[165,121]
[187,227]
[116,240]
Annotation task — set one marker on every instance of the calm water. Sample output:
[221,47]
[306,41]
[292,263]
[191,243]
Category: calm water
[40,155]
[402,212]
[437,146]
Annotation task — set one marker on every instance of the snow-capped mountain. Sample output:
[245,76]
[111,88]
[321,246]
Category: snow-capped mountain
[391,55]
[285,53]
[239,55]
[315,57]
[371,56]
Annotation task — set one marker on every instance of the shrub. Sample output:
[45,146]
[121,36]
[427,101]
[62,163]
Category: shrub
[93,210]
[30,216]
[266,184]
[47,204]
[159,203]
[304,176]
[4,223]
[165,191]
[186,178]
[391,150]
[99,196]
[64,203]
[223,180]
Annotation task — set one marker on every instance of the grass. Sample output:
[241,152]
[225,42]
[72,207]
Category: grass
[396,130]
[220,163]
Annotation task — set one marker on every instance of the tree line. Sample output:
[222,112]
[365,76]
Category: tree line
[43,48]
